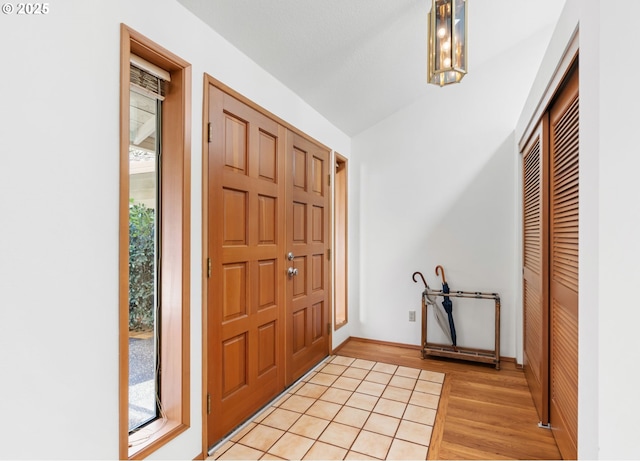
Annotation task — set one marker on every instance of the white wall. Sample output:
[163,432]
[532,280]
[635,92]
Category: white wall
[609,313]
[608,398]
[59,160]
[436,184]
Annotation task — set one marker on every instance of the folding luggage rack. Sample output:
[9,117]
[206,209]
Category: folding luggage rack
[457,352]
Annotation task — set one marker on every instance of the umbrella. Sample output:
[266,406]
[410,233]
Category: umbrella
[437,310]
[448,305]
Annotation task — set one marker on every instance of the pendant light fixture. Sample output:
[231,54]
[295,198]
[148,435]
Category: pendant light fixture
[447,41]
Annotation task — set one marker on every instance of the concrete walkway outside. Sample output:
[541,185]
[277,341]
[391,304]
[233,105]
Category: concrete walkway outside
[141,380]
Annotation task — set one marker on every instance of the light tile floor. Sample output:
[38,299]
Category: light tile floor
[345,409]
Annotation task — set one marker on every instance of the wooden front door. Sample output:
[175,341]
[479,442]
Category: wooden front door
[245,305]
[307,222]
[267,196]
[563,279]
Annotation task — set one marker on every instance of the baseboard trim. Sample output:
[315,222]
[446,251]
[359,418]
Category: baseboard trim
[376,341]
[516,365]
[340,346]
[513,360]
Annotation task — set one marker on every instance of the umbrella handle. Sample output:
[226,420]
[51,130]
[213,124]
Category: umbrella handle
[444,280]
[421,276]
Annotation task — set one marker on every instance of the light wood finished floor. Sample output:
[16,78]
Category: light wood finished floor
[484,413]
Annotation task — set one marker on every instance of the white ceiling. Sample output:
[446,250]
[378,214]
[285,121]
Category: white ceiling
[359,61]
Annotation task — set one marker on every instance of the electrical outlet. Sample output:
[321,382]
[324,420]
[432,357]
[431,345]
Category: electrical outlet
[412,316]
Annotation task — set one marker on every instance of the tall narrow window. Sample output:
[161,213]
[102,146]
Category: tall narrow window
[146,95]
[340,222]
[154,245]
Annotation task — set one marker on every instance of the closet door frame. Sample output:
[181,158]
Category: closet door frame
[564,184]
[565,84]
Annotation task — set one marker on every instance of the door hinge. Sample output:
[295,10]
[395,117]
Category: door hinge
[208,403]
[328,327]
[208,267]
[329,179]
[210,129]
[329,254]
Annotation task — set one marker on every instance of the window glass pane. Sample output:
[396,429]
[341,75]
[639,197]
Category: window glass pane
[143,280]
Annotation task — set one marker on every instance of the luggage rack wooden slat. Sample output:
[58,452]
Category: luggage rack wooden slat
[461,353]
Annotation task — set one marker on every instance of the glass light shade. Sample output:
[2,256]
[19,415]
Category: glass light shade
[447,41]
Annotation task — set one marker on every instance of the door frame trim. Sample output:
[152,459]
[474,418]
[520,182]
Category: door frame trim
[208,80]
[336,159]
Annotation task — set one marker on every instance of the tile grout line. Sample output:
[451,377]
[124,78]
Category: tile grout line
[371,412]
[296,387]
[317,439]
[406,405]
[268,405]
[360,429]
[289,391]
[378,399]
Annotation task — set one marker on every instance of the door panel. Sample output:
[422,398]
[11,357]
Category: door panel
[245,310]
[564,215]
[550,270]
[267,196]
[307,238]
[535,269]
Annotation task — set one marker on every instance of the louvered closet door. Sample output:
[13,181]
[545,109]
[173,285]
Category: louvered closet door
[246,243]
[535,270]
[564,182]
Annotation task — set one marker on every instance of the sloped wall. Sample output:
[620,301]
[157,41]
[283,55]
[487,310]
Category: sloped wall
[436,184]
